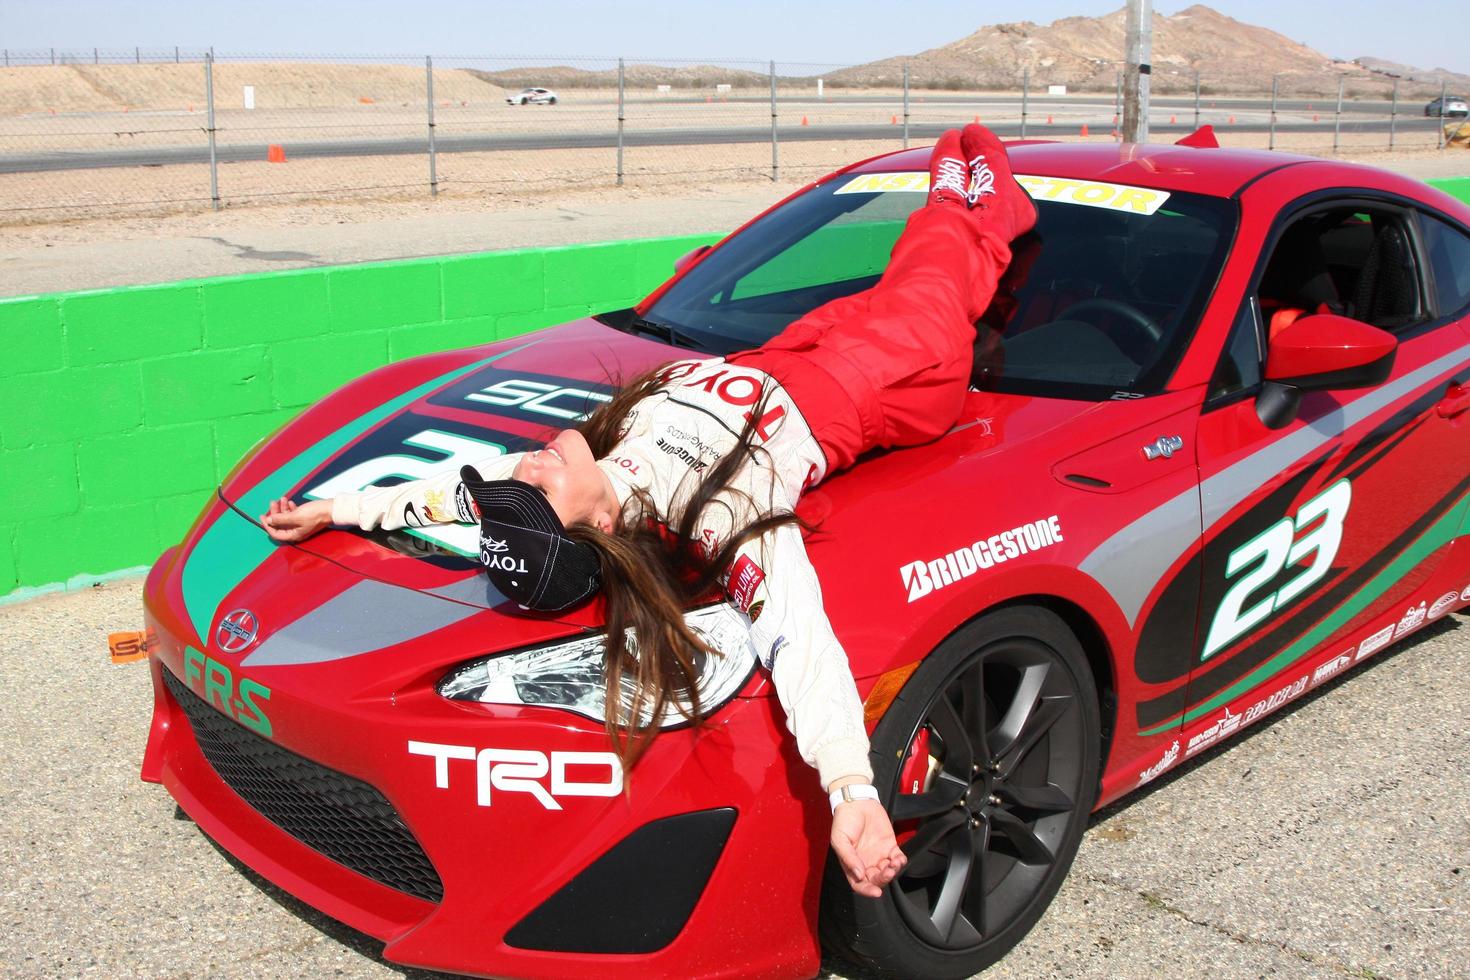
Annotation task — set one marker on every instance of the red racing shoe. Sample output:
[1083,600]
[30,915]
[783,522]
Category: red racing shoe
[1002,204]
[949,175]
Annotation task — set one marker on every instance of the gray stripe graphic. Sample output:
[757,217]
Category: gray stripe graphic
[1130,563]
[367,617]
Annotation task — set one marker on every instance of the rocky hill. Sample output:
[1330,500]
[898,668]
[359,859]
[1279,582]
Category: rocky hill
[1084,53]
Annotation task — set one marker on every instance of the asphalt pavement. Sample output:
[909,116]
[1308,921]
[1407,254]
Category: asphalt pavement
[1330,841]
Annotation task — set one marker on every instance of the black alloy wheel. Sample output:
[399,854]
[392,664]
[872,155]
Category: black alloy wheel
[988,765]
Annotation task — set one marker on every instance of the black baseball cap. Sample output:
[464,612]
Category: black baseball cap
[525,549]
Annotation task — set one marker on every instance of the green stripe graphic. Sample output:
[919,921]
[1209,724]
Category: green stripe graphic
[233,547]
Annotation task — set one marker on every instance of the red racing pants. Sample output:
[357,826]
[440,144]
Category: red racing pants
[890,366]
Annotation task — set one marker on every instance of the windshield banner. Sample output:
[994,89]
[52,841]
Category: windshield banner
[1088,193]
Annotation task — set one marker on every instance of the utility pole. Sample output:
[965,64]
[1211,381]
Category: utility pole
[1139,28]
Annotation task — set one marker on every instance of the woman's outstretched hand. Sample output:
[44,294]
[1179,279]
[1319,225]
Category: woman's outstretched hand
[862,839]
[288,522]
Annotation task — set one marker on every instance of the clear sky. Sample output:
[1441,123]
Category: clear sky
[1423,33]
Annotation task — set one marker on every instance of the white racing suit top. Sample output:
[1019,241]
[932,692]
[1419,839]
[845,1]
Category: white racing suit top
[671,438]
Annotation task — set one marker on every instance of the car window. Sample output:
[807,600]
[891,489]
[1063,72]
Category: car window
[1346,260]
[1447,250]
[1101,298]
[1240,364]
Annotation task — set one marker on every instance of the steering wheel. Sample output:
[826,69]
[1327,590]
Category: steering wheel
[1147,328]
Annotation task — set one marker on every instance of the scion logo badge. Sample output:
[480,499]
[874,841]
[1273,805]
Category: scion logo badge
[236,631]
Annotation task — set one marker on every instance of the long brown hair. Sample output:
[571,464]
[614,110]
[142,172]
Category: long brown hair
[652,572]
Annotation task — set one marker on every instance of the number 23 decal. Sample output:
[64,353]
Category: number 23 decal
[1319,522]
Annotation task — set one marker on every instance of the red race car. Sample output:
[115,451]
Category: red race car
[1214,455]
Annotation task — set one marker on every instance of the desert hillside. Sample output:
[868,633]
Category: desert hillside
[278,85]
[1083,53]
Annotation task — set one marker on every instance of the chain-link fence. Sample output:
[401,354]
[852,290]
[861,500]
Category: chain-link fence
[85,132]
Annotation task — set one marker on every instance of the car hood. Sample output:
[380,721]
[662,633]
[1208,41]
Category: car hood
[436,412]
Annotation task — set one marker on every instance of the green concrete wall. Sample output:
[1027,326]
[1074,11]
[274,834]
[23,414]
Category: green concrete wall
[120,409]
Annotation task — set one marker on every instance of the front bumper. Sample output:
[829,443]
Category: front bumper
[451,857]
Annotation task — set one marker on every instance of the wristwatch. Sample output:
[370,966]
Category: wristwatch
[853,791]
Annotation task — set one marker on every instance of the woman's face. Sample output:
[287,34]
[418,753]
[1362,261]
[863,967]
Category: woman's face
[566,472]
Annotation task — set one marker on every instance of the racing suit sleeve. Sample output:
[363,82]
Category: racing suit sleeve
[440,499]
[773,582]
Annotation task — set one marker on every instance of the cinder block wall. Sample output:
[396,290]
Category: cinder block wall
[120,409]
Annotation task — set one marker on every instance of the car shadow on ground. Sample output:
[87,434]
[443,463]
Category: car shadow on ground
[371,948]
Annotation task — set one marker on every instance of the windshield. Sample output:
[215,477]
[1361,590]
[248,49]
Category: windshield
[1101,298]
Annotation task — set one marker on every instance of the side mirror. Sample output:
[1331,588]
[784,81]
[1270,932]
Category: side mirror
[687,259]
[1318,353]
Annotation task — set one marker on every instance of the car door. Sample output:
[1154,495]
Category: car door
[1313,529]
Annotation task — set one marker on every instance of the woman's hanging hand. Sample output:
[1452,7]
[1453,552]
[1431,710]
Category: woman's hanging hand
[862,839]
[288,522]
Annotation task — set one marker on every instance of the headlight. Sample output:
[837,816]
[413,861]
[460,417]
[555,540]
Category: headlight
[569,675]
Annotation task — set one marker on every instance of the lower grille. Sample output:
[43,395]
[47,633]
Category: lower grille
[341,817]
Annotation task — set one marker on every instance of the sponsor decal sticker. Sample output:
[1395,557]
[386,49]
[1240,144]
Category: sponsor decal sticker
[1223,727]
[1413,619]
[1275,700]
[1325,672]
[1374,643]
[745,577]
[1442,604]
[240,698]
[1152,772]
[541,776]
[125,648]
[1087,193]
[925,576]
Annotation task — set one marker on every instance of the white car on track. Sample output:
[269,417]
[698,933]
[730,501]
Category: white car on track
[532,96]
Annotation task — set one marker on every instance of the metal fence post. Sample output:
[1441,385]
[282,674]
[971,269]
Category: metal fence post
[1337,118]
[905,105]
[775,152]
[176,54]
[1439,137]
[1393,113]
[1196,98]
[53,57]
[433,155]
[1271,142]
[7,57]
[1025,94]
[213,159]
[1117,102]
[621,116]
[137,56]
[94,56]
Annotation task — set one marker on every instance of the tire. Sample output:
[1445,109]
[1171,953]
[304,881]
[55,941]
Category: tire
[1029,782]
[551,101]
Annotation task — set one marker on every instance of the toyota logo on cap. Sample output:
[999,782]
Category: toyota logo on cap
[236,631]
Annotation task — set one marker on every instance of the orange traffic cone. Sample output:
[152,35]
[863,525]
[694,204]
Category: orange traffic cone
[1048,120]
[977,120]
[1084,130]
[803,121]
[1314,117]
[275,153]
[893,120]
[1173,120]
[1230,121]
